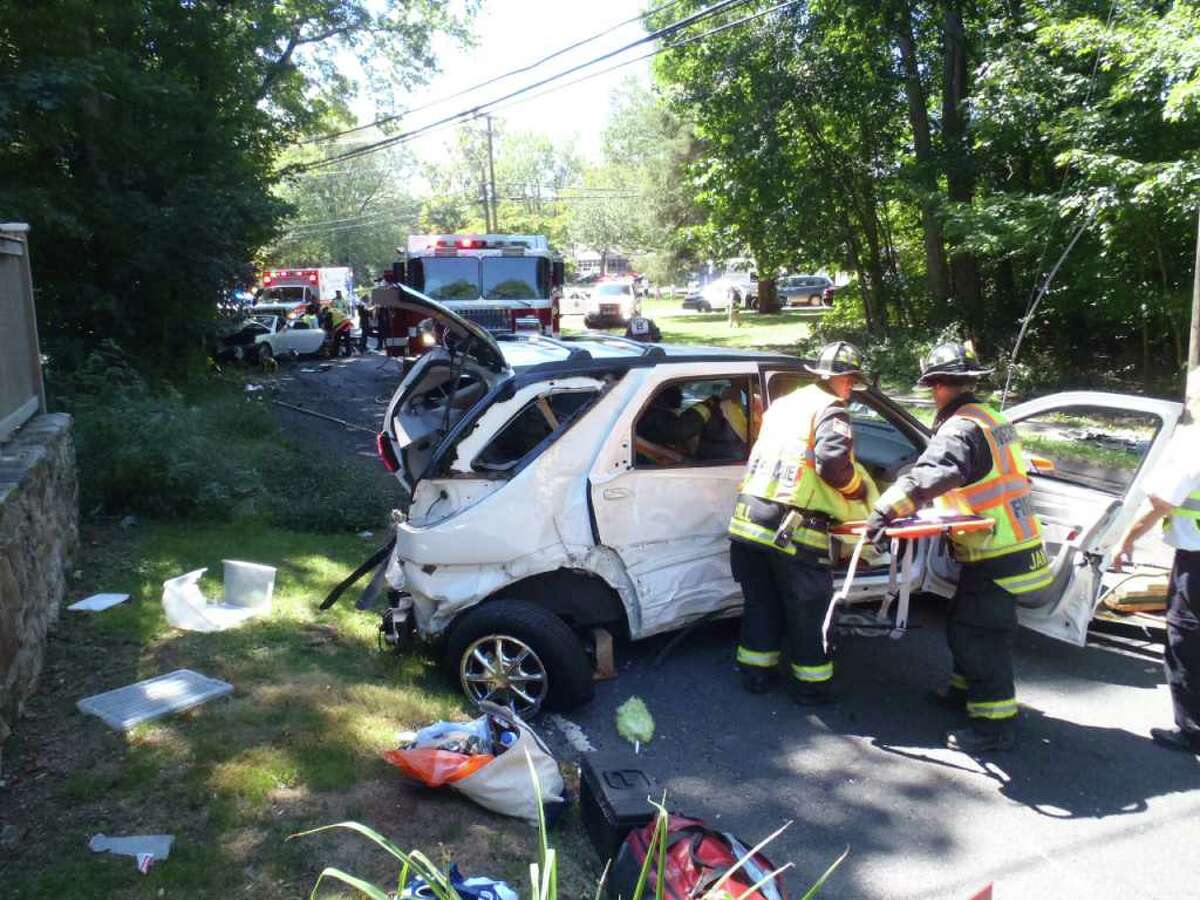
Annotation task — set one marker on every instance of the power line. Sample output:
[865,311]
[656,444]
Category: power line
[666,31]
[664,49]
[506,75]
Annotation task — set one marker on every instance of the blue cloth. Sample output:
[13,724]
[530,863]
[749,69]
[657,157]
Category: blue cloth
[468,888]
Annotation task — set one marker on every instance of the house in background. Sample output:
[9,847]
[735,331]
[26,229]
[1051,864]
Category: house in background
[593,263]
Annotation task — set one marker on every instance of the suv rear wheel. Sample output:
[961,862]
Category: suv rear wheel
[519,655]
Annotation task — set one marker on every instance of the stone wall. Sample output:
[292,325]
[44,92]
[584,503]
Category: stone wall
[39,531]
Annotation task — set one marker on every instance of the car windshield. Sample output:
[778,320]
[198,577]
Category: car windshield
[284,294]
[451,278]
[512,278]
[612,290]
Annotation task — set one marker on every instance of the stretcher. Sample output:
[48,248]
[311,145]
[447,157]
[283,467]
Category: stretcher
[925,524]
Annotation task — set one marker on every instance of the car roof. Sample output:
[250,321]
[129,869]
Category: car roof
[588,349]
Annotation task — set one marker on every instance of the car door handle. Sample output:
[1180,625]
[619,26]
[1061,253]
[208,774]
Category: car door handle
[617,493]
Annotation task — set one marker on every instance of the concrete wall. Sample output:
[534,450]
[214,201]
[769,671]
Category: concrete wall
[39,531]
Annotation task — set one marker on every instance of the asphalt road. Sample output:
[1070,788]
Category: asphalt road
[1087,806]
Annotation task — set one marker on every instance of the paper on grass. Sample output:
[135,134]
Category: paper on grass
[98,602]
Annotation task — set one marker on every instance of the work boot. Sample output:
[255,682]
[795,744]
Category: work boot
[953,699]
[757,681]
[1174,739]
[813,695]
[973,740]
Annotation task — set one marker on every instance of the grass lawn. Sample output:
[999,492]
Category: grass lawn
[785,331]
[297,745]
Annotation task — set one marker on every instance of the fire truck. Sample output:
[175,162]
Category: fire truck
[304,286]
[507,283]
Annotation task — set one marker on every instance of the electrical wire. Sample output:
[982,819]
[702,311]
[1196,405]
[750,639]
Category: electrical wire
[502,77]
[667,30]
[454,121]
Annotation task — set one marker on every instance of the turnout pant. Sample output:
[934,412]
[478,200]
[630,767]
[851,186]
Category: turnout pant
[786,598]
[979,630]
[1182,655]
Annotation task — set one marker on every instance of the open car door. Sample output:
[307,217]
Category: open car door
[1088,454]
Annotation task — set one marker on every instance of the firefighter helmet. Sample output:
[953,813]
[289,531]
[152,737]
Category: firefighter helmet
[837,358]
[952,362]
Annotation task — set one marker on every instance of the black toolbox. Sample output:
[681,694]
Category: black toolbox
[613,798]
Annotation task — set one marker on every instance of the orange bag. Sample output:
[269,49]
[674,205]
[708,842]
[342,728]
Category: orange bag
[434,767]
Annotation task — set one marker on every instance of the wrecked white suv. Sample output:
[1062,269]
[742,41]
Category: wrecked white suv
[549,500]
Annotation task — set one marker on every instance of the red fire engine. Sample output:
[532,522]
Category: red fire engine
[508,283]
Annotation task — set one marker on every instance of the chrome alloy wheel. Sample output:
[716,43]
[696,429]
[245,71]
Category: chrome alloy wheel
[501,669]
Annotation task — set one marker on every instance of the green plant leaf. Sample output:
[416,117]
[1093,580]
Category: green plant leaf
[745,859]
[812,891]
[375,893]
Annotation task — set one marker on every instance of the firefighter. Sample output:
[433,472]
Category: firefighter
[800,480]
[974,463]
[1173,496]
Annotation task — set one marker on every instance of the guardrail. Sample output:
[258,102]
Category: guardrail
[22,392]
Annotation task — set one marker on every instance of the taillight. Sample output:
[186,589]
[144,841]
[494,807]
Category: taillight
[383,446]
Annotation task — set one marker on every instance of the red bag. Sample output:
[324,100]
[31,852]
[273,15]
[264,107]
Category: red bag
[696,858]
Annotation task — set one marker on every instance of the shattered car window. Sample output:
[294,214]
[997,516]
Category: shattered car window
[538,420]
[688,422]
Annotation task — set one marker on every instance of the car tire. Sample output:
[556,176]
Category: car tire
[265,352]
[555,652]
[704,306]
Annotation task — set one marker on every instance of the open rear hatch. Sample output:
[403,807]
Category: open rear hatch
[463,364]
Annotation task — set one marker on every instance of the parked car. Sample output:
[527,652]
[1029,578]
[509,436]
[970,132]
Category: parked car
[739,288]
[611,303]
[539,508]
[806,290]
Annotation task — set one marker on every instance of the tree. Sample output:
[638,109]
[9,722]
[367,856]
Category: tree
[140,139]
[355,213]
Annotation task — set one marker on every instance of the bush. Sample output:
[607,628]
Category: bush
[155,452]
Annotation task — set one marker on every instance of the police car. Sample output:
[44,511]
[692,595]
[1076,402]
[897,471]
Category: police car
[539,512]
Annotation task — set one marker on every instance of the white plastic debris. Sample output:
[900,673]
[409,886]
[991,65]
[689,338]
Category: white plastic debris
[153,698]
[98,602]
[144,848]
[248,589]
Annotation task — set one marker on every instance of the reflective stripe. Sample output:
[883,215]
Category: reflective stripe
[1027,581]
[1189,510]
[993,709]
[763,659]
[752,531]
[812,674]
[958,682]
[853,485]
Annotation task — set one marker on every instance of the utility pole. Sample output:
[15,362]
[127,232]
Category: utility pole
[487,207]
[1194,343]
[495,227]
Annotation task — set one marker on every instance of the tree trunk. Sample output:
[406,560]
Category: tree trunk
[936,275]
[768,297]
[960,177]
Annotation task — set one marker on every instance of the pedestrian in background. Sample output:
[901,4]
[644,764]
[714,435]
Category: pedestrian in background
[1173,498]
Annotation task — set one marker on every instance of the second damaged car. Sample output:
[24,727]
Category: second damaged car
[558,489]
